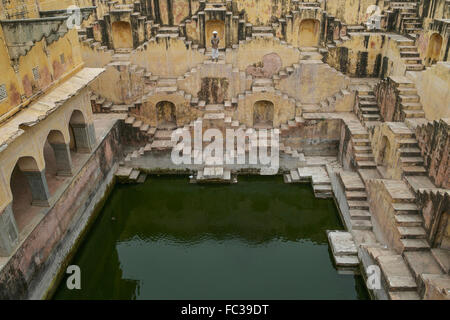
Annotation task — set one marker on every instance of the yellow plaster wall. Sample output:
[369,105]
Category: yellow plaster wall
[18,9]
[8,77]
[167,57]
[433,87]
[253,51]
[259,12]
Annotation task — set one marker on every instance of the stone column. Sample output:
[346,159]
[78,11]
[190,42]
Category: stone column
[63,159]
[228,30]
[9,234]
[84,137]
[39,187]
[202,26]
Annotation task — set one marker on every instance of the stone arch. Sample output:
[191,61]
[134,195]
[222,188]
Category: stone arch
[166,114]
[28,188]
[58,161]
[385,150]
[215,25]
[82,135]
[434,48]
[263,111]
[308,33]
[121,35]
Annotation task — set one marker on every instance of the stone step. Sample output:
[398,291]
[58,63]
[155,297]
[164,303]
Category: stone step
[405,208]
[370,110]
[412,106]
[422,262]
[361,224]
[409,98]
[351,181]
[358,214]
[287,178]
[408,220]
[412,232]
[415,244]
[408,54]
[371,117]
[130,120]
[413,113]
[294,175]
[356,195]
[163,134]
[396,272]
[343,248]
[322,188]
[364,156]
[134,175]
[410,152]
[403,295]
[362,149]
[414,171]
[366,164]
[361,205]
[411,161]
[407,49]
[362,142]
[415,67]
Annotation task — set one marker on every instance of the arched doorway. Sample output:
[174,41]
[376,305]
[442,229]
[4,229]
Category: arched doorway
[82,136]
[215,25]
[165,114]
[57,158]
[434,48]
[121,34]
[29,191]
[263,114]
[308,33]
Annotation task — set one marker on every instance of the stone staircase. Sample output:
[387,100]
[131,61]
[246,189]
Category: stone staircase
[409,54]
[396,276]
[409,154]
[363,157]
[409,100]
[356,197]
[130,175]
[410,22]
[366,106]
[317,175]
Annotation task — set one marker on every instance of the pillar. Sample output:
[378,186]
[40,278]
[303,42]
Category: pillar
[84,137]
[202,26]
[39,187]
[63,159]
[9,234]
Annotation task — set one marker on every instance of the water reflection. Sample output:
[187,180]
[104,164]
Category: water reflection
[166,239]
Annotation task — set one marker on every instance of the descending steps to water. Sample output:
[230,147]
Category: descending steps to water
[317,175]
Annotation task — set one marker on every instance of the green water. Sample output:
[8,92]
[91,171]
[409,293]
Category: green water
[167,239]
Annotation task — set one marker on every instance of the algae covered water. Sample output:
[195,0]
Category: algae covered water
[167,239]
